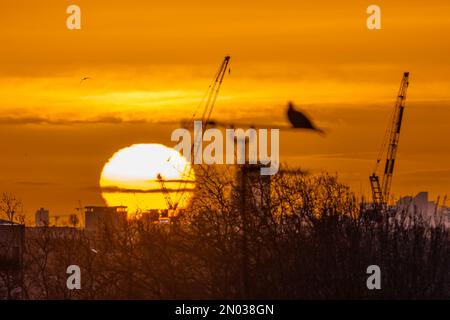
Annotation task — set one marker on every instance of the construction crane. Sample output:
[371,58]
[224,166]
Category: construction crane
[214,91]
[169,202]
[208,102]
[381,189]
[164,216]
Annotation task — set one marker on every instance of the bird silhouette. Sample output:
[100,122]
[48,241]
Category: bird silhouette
[299,120]
[83,79]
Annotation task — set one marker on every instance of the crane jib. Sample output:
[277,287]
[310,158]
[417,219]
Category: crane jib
[381,197]
[400,118]
[389,167]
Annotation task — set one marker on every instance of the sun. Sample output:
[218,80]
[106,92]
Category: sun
[130,178]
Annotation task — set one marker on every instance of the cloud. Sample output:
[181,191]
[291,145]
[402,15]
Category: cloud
[127,190]
[37,183]
[103,119]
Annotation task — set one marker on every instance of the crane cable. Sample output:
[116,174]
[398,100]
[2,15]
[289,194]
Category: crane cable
[189,126]
[211,93]
[385,141]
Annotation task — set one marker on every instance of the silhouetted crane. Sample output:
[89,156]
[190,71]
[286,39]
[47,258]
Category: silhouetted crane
[169,202]
[381,189]
[208,106]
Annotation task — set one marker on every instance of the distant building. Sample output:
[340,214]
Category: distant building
[74,221]
[42,218]
[421,205]
[12,238]
[150,216]
[97,217]
[164,216]
[52,231]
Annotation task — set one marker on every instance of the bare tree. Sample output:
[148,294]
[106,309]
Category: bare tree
[9,205]
[308,240]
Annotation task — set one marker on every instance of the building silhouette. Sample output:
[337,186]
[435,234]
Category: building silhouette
[42,218]
[110,217]
[429,210]
[12,239]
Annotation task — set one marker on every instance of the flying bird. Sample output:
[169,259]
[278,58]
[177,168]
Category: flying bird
[85,78]
[299,120]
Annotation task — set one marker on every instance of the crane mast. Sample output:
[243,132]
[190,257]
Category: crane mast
[170,204]
[381,189]
[208,106]
[214,91]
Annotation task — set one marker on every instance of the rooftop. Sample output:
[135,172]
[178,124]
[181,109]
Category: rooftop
[8,223]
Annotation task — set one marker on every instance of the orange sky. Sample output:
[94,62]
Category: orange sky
[151,61]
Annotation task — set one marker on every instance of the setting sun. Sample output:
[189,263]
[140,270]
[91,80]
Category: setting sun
[130,178]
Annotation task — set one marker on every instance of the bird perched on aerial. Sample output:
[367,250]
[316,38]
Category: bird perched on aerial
[83,79]
[300,121]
